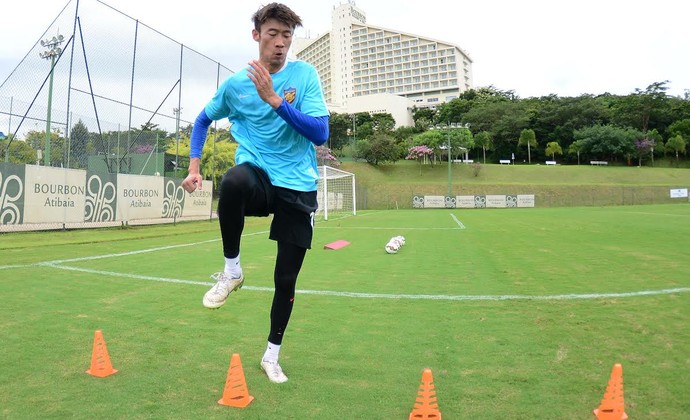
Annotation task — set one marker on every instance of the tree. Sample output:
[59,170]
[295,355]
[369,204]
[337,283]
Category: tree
[378,148]
[608,141]
[645,109]
[553,149]
[575,148]
[216,158]
[79,138]
[461,138]
[453,110]
[677,144]
[339,127]
[657,143]
[485,140]
[20,152]
[324,156]
[432,138]
[555,119]
[643,147]
[680,128]
[527,137]
[426,114]
[504,119]
[220,157]
[420,153]
[365,129]
[382,122]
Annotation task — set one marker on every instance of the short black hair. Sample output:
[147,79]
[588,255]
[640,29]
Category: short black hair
[277,11]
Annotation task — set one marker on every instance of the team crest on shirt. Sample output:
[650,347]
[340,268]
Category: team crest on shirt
[290,94]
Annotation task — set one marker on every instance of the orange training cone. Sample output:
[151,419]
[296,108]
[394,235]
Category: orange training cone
[426,406]
[100,360]
[612,407]
[235,393]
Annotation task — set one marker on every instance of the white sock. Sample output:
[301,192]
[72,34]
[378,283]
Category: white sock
[232,266]
[272,351]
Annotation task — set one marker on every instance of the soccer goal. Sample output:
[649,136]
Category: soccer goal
[336,193]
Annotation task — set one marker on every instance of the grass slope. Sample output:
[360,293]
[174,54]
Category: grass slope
[393,185]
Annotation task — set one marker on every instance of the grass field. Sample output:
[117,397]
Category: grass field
[519,313]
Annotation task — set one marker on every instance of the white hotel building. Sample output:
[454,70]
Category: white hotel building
[366,68]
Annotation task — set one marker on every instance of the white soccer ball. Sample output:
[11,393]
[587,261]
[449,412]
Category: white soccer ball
[392,247]
[400,240]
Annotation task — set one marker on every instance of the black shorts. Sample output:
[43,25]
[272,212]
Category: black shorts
[293,211]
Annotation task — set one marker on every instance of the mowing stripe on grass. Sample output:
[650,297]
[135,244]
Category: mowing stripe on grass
[141,251]
[392,296]
[388,228]
[124,254]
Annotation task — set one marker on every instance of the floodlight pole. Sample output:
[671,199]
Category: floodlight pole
[176,111]
[354,135]
[9,131]
[446,128]
[450,178]
[53,51]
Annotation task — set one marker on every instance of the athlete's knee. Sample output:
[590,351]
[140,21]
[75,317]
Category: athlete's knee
[232,183]
[285,283]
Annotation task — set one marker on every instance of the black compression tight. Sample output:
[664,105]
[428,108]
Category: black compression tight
[288,264]
[239,196]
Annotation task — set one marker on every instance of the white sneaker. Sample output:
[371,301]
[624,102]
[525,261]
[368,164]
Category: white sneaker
[274,372]
[218,294]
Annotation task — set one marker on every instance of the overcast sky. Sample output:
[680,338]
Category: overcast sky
[533,47]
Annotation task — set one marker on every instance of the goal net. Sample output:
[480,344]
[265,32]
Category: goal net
[336,193]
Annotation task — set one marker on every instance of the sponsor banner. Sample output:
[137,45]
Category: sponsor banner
[174,198]
[34,194]
[54,195]
[525,200]
[496,201]
[199,202]
[11,194]
[101,197]
[679,193]
[139,197]
[472,201]
[434,202]
[464,201]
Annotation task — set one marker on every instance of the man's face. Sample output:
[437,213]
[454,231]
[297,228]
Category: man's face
[274,41]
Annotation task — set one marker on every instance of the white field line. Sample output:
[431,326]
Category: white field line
[391,296]
[58,265]
[386,228]
[141,251]
[124,254]
[657,214]
[457,221]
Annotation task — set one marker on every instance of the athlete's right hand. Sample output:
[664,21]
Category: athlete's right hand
[192,182]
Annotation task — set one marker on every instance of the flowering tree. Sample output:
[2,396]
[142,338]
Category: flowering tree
[324,156]
[419,153]
[643,147]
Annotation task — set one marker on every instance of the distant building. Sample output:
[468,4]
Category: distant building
[364,67]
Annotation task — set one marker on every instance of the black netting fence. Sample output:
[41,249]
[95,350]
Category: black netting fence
[102,92]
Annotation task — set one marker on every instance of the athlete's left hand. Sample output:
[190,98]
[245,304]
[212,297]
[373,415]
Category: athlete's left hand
[261,78]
